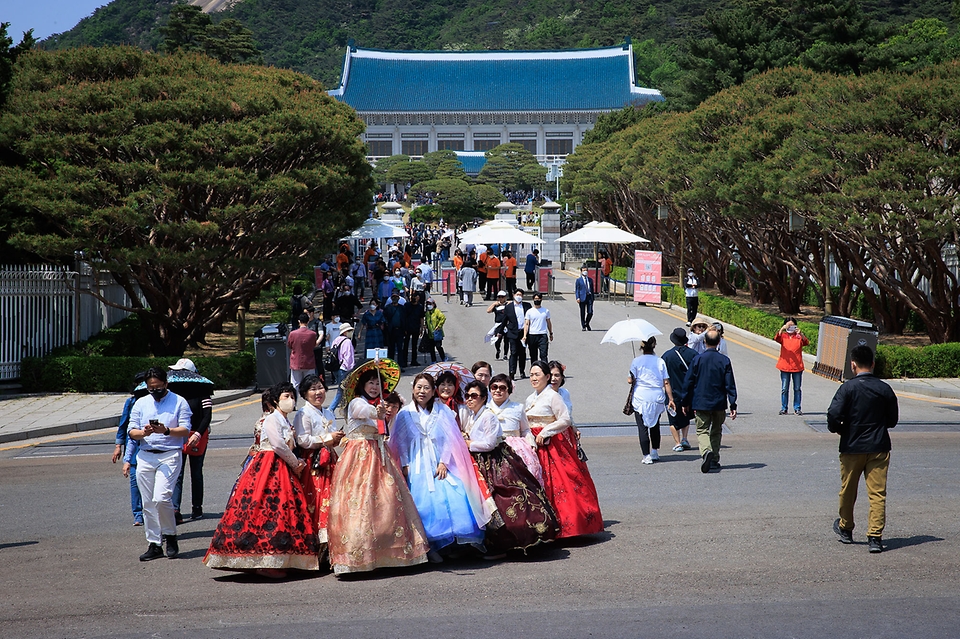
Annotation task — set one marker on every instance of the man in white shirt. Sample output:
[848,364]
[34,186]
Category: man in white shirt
[537,328]
[160,421]
[426,274]
[691,286]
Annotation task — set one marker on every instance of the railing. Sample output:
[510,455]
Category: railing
[44,307]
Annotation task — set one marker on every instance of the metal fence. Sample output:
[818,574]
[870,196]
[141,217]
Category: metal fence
[44,307]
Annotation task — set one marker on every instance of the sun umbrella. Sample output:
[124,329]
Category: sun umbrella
[630,330]
[375,229]
[462,372]
[389,371]
[184,383]
[603,233]
[498,232]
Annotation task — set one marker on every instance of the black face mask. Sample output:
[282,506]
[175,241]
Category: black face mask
[157,393]
[537,302]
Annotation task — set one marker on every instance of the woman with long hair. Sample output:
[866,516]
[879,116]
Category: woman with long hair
[373,521]
[439,469]
[315,428]
[266,525]
[527,517]
[566,479]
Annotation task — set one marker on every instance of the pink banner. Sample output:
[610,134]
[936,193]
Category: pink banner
[647,267]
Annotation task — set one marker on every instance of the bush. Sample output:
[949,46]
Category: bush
[619,273]
[105,374]
[936,360]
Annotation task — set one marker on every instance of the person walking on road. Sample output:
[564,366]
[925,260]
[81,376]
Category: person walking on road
[160,421]
[530,267]
[538,330]
[584,293]
[513,323]
[301,343]
[790,364]
[708,386]
[862,412]
[678,360]
[652,394]
[468,282]
[691,288]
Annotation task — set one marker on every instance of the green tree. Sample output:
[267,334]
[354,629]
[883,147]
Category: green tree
[503,165]
[8,57]
[454,197]
[403,173]
[186,29]
[451,169]
[435,158]
[383,166]
[487,197]
[189,29]
[194,184]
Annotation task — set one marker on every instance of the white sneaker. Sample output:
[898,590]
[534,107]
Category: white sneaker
[655,455]
[678,448]
[647,460]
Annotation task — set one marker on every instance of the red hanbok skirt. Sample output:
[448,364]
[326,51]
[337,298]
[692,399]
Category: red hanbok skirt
[266,523]
[316,480]
[568,485]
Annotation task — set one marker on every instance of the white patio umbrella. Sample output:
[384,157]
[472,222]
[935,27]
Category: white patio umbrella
[602,233]
[498,233]
[630,330]
[375,229]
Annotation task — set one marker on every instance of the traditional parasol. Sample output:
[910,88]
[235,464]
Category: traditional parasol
[389,372]
[462,372]
[184,383]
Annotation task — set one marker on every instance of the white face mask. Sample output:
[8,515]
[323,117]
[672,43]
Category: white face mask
[287,405]
[518,299]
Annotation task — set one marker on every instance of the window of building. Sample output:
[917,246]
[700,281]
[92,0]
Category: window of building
[485,145]
[414,147]
[449,145]
[557,146]
[380,148]
[529,145]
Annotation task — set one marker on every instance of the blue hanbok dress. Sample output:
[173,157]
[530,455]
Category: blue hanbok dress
[453,509]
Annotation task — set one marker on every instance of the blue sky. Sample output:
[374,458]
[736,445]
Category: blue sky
[45,17]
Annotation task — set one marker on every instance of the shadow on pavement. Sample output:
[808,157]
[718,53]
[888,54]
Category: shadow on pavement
[17,544]
[753,466]
[906,542]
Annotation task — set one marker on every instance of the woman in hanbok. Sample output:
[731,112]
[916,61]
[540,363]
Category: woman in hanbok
[557,379]
[448,392]
[266,525]
[527,516]
[566,479]
[439,470]
[514,424]
[373,521]
[317,436]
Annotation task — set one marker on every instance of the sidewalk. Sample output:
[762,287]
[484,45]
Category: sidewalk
[30,416]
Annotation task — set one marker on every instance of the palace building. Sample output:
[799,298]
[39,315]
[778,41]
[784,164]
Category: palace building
[415,102]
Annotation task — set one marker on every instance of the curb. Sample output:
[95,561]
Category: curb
[103,422]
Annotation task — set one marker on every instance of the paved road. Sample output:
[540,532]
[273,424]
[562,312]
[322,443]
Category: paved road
[747,552]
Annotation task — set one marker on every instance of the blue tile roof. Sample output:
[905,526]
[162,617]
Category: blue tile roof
[472,161]
[574,80]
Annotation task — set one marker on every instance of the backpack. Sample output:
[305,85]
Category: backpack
[333,355]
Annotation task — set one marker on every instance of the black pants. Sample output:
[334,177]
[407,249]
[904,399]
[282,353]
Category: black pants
[436,350]
[410,341]
[502,340]
[531,277]
[539,346]
[692,304]
[518,355]
[649,437]
[196,482]
[586,312]
[511,285]
[493,284]
[395,349]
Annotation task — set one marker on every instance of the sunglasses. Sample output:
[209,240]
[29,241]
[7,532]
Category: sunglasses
[498,387]
[474,395]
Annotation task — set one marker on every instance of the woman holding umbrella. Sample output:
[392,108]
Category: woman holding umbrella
[439,469]
[266,526]
[317,436]
[373,520]
[566,479]
[651,393]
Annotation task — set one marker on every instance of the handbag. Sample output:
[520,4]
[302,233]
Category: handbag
[438,335]
[426,343]
[628,407]
[200,448]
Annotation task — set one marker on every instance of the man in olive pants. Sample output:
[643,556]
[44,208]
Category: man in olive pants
[706,389]
[862,412]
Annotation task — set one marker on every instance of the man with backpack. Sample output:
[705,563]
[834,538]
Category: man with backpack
[341,349]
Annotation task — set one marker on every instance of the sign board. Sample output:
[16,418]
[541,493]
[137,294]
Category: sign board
[647,267]
[376,353]
[448,281]
[543,278]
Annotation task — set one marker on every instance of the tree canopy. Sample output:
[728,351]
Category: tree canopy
[195,184]
[869,162]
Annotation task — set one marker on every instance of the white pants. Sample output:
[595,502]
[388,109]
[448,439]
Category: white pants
[297,375]
[156,477]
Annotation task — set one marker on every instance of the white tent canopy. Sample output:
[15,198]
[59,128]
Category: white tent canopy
[602,233]
[373,229]
[498,233]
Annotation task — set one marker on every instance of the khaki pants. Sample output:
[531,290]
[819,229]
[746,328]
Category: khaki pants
[873,467]
[709,430]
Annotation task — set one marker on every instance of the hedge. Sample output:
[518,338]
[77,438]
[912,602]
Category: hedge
[113,374]
[749,319]
[935,360]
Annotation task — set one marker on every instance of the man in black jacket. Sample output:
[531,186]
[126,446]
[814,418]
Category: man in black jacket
[513,317]
[707,387]
[862,412]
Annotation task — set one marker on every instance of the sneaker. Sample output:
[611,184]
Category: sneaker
[686,445]
[655,455]
[154,551]
[137,522]
[783,411]
[707,462]
[678,448]
[178,517]
[846,536]
[798,412]
[197,513]
[173,548]
[875,544]
[647,459]
[715,465]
